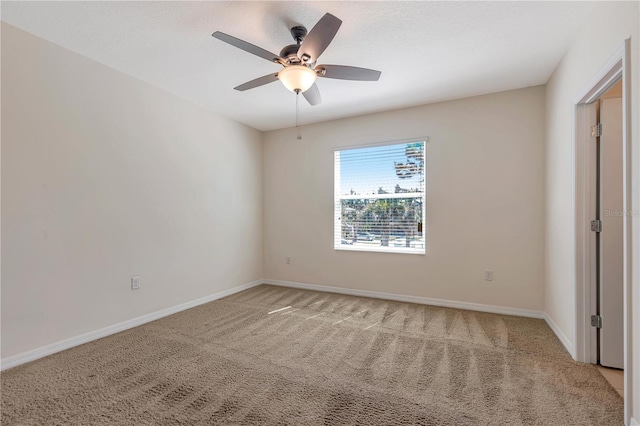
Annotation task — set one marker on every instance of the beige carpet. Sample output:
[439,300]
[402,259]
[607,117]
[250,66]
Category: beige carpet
[328,359]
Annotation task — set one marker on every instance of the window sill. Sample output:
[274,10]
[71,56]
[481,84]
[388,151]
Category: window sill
[379,249]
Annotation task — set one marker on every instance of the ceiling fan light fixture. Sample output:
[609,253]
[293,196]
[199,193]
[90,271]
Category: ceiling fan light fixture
[297,78]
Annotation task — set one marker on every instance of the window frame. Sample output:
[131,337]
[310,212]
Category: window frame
[337,199]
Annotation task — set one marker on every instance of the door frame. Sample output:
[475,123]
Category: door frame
[584,336]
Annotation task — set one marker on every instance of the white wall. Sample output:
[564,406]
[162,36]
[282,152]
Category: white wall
[105,177]
[485,202]
[604,32]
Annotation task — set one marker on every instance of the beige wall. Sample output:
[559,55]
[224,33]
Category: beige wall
[485,202]
[605,31]
[105,177]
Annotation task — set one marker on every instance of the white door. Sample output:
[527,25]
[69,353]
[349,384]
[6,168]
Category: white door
[611,237]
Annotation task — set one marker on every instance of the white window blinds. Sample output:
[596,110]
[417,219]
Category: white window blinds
[380,198]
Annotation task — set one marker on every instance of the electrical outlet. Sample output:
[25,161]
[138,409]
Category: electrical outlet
[288,261]
[135,283]
[488,275]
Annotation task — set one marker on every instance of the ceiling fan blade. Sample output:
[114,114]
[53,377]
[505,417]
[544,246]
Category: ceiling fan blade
[312,95]
[319,38]
[247,47]
[343,72]
[260,81]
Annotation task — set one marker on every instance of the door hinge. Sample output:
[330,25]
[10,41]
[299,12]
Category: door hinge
[596,225]
[596,130]
[596,321]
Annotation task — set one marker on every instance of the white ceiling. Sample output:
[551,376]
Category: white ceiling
[427,51]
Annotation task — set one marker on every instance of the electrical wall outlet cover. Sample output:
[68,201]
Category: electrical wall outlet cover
[135,283]
[488,275]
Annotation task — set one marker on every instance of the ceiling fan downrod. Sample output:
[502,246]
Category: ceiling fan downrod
[298,33]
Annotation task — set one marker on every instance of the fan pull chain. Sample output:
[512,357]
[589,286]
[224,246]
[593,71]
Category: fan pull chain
[298,131]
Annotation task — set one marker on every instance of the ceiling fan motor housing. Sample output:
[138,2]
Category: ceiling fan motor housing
[290,53]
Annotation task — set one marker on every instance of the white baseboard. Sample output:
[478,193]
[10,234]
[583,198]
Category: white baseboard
[505,310]
[561,336]
[34,354]
[43,351]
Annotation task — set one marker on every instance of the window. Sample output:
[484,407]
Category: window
[380,198]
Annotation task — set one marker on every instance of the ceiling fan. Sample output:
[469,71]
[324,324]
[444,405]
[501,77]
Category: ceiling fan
[299,60]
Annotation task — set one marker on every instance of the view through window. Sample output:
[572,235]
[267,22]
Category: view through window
[380,198]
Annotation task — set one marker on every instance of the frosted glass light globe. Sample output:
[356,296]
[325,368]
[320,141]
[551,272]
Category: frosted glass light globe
[297,77]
